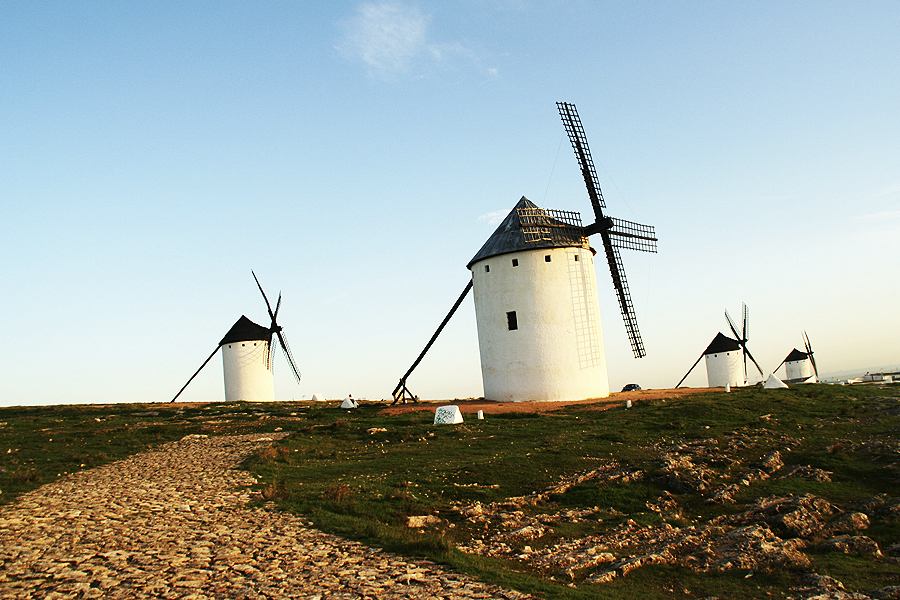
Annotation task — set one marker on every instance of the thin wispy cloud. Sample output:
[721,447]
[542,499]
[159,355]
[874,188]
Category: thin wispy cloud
[494,218]
[386,37]
[891,189]
[393,39]
[774,198]
[880,216]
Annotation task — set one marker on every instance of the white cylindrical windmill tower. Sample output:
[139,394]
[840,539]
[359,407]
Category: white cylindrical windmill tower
[724,362]
[247,362]
[538,320]
[798,366]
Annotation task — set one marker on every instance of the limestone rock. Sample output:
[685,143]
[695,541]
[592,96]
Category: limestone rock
[854,521]
[422,520]
[852,544]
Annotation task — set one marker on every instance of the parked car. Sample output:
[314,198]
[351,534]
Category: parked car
[631,387]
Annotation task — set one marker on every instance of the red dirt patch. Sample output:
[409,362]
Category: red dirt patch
[615,399]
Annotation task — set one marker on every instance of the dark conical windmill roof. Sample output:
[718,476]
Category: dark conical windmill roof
[245,330]
[721,343]
[508,237]
[796,355]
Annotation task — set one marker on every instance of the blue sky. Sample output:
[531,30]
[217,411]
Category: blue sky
[357,154]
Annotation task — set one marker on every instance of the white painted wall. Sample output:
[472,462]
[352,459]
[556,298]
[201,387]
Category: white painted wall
[725,368]
[798,369]
[557,351]
[246,375]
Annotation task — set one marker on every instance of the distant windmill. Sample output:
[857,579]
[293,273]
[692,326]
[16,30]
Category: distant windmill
[725,356]
[247,357]
[800,366]
[536,308]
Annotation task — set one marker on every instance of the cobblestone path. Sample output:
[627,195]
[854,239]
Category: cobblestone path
[172,523]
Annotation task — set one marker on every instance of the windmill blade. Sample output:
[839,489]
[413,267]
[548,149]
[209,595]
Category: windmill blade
[744,355]
[632,236]
[572,123]
[615,234]
[276,329]
[209,358]
[689,371]
[809,352]
[270,355]
[741,342]
[288,355]
[754,362]
[268,306]
[737,336]
[616,269]
[746,321]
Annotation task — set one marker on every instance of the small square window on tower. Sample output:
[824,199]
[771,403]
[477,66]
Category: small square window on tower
[511,320]
[576,258]
[515,262]
[487,268]
[547,258]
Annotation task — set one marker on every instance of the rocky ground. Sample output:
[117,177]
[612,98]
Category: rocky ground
[774,533]
[174,523]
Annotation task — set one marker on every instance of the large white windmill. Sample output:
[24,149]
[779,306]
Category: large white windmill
[726,358]
[800,367]
[539,331]
[247,357]
[535,290]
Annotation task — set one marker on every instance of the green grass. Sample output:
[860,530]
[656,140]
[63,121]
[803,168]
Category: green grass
[856,572]
[364,485]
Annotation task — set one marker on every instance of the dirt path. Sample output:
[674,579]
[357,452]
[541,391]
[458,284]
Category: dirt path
[174,523]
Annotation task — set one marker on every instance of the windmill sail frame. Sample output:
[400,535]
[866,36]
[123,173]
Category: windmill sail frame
[743,338]
[615,233]
[547,224]
[632,236]
[276,330]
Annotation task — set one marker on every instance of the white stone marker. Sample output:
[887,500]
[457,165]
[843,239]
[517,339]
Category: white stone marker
[481,414]
[447,415]
[774,383]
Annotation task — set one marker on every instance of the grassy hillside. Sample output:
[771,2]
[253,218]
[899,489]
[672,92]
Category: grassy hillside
[660,500]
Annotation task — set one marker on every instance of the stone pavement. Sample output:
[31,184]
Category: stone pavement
[174,523]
